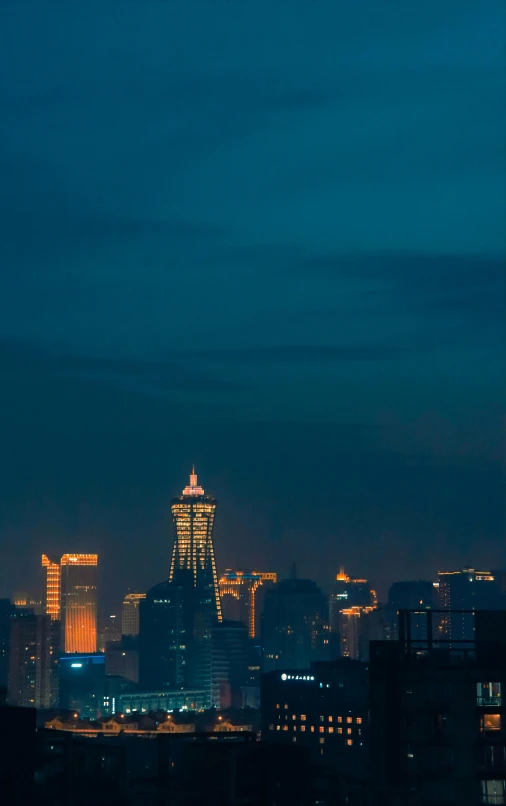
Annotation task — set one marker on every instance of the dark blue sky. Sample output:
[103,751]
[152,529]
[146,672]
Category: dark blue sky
[267,237]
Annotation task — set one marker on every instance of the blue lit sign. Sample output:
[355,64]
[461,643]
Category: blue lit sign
[76,665]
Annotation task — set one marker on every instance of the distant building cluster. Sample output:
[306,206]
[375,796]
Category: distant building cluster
[405,695]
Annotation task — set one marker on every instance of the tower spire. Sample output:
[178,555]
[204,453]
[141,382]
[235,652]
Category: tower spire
[193,477]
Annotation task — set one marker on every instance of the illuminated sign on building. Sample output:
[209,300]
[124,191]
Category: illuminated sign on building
[306,677]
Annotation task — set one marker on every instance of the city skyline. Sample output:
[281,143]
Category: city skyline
[252,407]
[289,271]
[188,552]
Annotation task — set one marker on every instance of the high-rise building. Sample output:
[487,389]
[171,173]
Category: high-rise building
[122,659]
[130,613]
[52,587]
[108,631]
[193,563]
[469,590]
[378,625]
[416,596]
[71,597]
[350,630]
[193,518]
[229,660]
[348,592]
[30,661]
[6,610]
[241,596]
[437,715]
[294,626]
[82,683]
[166,641]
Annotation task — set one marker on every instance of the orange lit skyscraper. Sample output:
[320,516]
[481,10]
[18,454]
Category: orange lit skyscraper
[71,597]
[239,596]
[52,597]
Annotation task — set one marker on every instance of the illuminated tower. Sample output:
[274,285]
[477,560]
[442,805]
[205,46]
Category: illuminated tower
[71,597]
[193,519]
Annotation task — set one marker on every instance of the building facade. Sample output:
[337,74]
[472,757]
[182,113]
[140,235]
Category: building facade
[193,550]
[71,597]
[351,622]
[130,613]
[122,659]
[229,663]
[193,566]
[465,590]
[438,732]
[169,700]
[325,709]
[82,683]
[242,595]
[347,593]
[6,610]
[294,626]
[166,642]
[31,654]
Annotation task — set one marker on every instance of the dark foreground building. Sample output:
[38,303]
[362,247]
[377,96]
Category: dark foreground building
[201,769]
[17,756]
[438,721]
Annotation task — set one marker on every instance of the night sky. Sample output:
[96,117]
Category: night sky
[267,237]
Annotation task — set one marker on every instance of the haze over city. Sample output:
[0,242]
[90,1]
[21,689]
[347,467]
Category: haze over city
[264,238]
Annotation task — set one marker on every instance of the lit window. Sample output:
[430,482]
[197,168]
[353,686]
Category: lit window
[271,727]
[295,727]
[349,719]
[285,727]
[339,719]
[322,719]
[493,792]
[312,728]
[277,705]
[348,731]
[358,720]
[330,719]
[278,727]
[294,739]
[322,729]
[349,742]
[322,741]
[286,706]
[303,728]
[302,717]
[294,716]
[331,730]
[488,693]
[359,731]
[339,730]
[490,723]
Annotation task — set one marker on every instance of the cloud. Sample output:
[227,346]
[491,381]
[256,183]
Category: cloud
[31,360]
[299,354]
